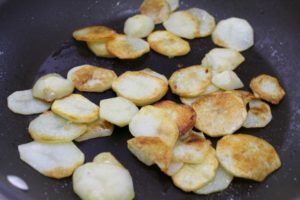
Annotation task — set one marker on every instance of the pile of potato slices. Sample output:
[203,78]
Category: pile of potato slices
[173,136]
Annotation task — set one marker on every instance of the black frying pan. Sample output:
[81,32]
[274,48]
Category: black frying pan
[35,39]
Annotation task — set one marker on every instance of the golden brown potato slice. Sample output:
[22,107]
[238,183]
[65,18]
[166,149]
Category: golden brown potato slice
[207,21]
[107,158]
[99,49]
[247,156]
[245,95]
[267,88]
[168,44]
[158,10]
[219,113]
[190,81]
[94,34]
[138,26]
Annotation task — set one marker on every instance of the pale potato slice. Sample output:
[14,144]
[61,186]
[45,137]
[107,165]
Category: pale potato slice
[76,108]
[125,47]
[219,113]
[168,44]
[158,10]
[190,81]
[267,88]
[99,49]
[89,78]
[173,168]
[22,102]
[52,86]
[155,74]
[51,128]
[118,110]
[94,34]
[140,87]
[221,181]
[227,80]
[138,26]
[183,115]
[259,114]
[183,24]
[245,95]
[207,21]
[222,59]
[94,181]
[107,158]
[98,128]
[174,4]
[52,160]
[247,156]
[234,33]
[194,176]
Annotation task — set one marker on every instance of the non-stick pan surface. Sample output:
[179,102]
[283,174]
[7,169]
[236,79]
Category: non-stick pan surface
[35,39]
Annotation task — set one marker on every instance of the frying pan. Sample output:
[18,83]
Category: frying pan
[35,39]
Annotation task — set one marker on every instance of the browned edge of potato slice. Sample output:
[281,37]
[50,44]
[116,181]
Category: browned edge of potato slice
[158,10]
[94,34]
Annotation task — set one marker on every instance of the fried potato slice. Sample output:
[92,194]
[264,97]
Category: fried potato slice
[52,160]
[247,156]
[155,74]
[99,49]
[207,21]
[88,78]
[221,181]
[173,168]
[140,87]
[234,33]
[219,113]
[168,44]
[76,108]
[267,88]
[94,34]
[190,81]
[245,95]
[183,24]
[51,128]
[183,115]
[174,4]
[158,10]
[52,86]
[118,110]
[194,176]
[94,181]
[107,158]
[139,26]
[22,102]
[259,114]
[227,80]
[125,47]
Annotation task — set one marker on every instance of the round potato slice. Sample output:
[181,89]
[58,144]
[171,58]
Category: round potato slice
[155,74]
[52,160]
[52,86]
[220,113]
[207,21]
[51,128]
[140,87]
[125,47]
[139,26]
[247,156]
[168,44]
[259,115]
[90,78]
[158,10]
[99,49]
[227,80]
[233,33]
[190,81]
[107,158]
[94,34]
[96,181]
[76,108]
[22,102]
[183,24]
[174,4]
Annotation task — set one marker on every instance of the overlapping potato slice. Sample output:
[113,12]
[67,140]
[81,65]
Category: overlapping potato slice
[245,95]
[52,160]
[174,4]
[190,81]
[107,158]
[233,33]
[247,156]
[89,78]
[118,110]
[259,115]
[94,34]
[267,88]
[207,21]
[51,128]
[219,113]
[173,168]
[183,115]
[76,108]
[227,80]
[139,26]
[22,102]
[52,86]
[168,44]
[140,87]
[155,74]
[183,24]
[99,49]
[158,10]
